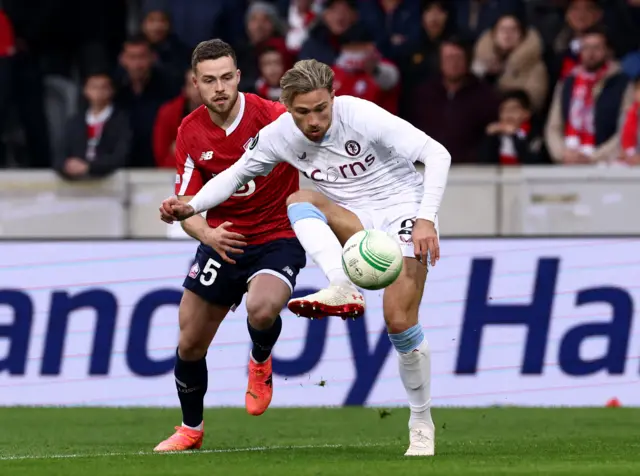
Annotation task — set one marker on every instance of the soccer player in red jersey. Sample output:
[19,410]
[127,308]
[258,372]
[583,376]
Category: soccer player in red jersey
[247,243]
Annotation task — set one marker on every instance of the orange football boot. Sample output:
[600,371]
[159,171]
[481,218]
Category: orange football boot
[260,388]
[182,440]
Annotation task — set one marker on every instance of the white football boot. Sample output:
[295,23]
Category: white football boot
[421,440]
[336,300]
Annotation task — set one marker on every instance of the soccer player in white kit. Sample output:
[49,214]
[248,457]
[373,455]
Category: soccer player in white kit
[360,158]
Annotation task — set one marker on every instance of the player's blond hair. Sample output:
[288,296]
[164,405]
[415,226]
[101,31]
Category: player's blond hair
[304,77]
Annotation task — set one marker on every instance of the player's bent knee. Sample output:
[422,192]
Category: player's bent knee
[191,348]
[308,196]
[262,313]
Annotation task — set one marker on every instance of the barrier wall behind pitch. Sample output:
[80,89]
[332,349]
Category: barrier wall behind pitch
[509,321]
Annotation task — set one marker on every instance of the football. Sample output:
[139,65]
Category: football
[372,259]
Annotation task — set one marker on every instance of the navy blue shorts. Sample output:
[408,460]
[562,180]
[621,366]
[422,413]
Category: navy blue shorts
[224,284]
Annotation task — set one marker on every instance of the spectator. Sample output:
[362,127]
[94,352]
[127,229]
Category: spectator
[27,78]
[171,56]
[300,15]
[361,71]
[7,50]
[394,24]
[324,41]
[456,107]
[511,140]
[588,105]
[264,29]
[143,89]
[194,21]
[271,66]
[631,64]
[422,59]
[510,56]
[580,16]
[98,139]
[630,135]
[473,17]
[168,120]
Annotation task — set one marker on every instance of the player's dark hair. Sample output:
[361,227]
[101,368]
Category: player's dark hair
[212,50]
[518,95]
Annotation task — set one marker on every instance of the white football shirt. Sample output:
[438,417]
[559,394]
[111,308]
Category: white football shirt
[366,160]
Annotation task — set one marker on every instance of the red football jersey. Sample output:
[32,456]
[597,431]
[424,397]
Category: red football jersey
[258,210]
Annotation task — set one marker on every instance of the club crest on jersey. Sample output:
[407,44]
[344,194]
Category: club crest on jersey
[352,148]
[194,271]
[208,155]
[254,141]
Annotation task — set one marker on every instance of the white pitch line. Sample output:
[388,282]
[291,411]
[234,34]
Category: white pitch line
[191,452]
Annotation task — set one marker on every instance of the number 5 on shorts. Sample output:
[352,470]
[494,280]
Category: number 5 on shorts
[209,272]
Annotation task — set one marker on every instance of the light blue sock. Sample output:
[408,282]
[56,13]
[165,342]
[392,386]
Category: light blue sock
[302,210]
[408,340]
[318,240]
[415,373]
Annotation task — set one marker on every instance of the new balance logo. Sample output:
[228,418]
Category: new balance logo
[208,155]
[288,270]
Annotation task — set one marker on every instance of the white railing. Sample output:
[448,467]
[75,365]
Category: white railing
[479,201]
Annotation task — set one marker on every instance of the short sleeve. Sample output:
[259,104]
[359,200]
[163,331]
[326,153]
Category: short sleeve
[188,177]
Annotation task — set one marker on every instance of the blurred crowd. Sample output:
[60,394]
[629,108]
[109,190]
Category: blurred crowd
[91,87]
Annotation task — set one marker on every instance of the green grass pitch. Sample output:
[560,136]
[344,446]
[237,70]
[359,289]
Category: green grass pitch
[321,441]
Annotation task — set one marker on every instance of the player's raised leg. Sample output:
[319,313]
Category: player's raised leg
[321,226]
[401,304]
[266,297]
[199,322]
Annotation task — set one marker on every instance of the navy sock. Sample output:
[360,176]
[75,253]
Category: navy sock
[191,382]
[264,340]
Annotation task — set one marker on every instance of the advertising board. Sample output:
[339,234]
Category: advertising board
[509,322]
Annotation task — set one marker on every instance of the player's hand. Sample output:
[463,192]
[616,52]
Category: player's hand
[173,209]
[225,241]
[425,241]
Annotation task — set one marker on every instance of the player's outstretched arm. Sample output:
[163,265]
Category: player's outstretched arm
[195,226]
[212,194]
